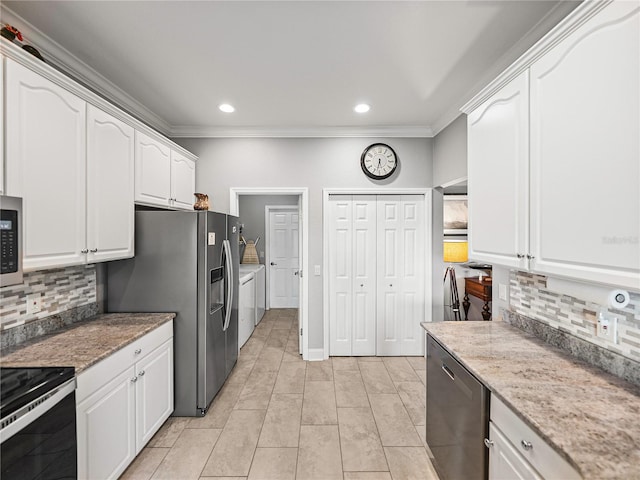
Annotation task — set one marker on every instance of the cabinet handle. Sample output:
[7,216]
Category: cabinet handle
[141,374]
[526,445]
[138,351]
[530,257]
[488,443]
[93,250]
[84,251]
[134,379]
[519,255]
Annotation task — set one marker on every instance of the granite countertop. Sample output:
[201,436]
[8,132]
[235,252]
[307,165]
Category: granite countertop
[85,343]
[590,417]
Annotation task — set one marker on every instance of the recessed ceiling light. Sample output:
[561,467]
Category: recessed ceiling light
[362,108]
[226,108]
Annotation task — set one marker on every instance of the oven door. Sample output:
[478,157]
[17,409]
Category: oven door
[40,442]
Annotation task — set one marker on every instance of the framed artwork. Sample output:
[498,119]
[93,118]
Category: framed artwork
[456,217]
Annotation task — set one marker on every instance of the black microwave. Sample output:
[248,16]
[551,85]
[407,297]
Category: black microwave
[11,240]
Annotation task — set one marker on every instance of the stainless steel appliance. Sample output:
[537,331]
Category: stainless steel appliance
[457,417]
[11,240]
[186,262]
[38,423]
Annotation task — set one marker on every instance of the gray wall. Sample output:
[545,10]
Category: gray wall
[450,153]
[252,216]
[315,163]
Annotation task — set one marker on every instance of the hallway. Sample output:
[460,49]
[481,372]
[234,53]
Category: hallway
[279,417]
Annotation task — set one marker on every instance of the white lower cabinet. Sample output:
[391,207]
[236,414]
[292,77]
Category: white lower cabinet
[517,452]
[122,401]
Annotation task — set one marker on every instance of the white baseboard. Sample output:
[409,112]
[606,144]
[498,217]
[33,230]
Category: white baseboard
[316,354]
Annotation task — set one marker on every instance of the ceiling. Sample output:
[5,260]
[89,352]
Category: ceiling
[290,68]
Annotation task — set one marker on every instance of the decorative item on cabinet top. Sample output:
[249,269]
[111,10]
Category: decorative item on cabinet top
[10,33]
[250,254]
[202,201]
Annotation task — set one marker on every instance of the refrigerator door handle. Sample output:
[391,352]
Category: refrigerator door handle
[226,248]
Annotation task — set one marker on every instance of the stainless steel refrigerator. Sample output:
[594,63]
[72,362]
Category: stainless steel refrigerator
[186,262]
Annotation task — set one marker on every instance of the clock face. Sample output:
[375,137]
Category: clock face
[378,161]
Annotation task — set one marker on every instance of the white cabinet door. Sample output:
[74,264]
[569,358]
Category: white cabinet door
[400,274]
[152,172]
[585,119]
[45,165]
[154,392]
[183,181]
[110,186]
[106,429]
[498,162]
[505,463]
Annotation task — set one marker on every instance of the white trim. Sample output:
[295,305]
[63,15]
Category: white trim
[267,230]
[316,355]
[452,183]
[428,245]
[410,131]
[303,204]
[571,22]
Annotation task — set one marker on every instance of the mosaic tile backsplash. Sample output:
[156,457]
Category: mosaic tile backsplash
[60,290]
[529,297]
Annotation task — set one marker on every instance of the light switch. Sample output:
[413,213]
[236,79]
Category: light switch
[316,270]
[502,292]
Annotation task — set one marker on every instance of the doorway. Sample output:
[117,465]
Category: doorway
[297,205]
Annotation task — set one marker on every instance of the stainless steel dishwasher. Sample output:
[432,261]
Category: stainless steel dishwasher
[457,417]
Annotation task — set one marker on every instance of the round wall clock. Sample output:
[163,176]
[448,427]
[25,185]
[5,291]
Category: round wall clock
[378,161]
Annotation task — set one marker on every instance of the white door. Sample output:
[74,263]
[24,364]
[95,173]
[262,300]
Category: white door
[110,209]
[154,392]
[352,273]
[400,274]
[153,171]
[106,429]
[183,181]
[46,166]
[498,149]
[284,265]
[585,168]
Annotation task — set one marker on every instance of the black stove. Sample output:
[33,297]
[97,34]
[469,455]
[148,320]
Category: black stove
[21,385]
[38,438]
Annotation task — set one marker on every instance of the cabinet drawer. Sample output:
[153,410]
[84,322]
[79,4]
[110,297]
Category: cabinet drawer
[540,455]
[100,373]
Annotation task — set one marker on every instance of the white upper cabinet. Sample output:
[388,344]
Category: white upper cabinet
[183,181]
[45,165]
[498,169]
[164,177]
[153,171]
[554,156]
[110,207]
[2,125]
[585,151]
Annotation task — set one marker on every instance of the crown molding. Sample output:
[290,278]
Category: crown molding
[300,132]
[63,60]
[565,27]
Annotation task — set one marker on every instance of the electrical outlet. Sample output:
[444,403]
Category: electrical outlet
[34,303]
[607,327]
[316,270]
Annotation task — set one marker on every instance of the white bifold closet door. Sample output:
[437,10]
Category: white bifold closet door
[376,274]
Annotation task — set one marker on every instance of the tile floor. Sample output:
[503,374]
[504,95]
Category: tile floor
[279,417]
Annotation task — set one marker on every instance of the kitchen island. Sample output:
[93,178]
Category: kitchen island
[585,414]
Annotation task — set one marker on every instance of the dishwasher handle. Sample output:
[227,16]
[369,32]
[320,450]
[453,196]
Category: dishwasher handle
[448,371]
